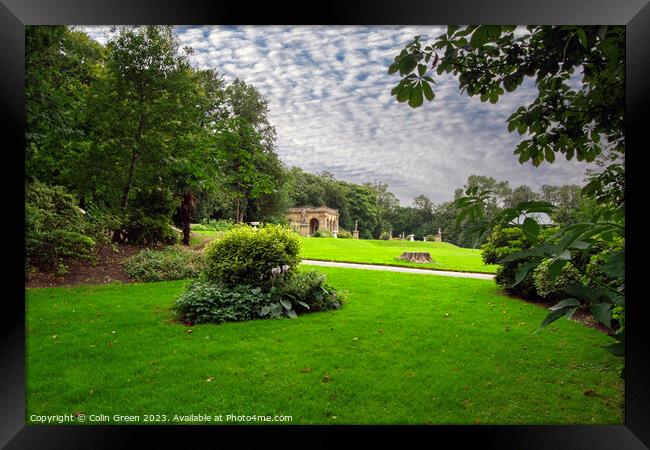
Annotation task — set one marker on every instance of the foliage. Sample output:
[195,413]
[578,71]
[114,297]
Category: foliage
[55,228]
[322,233]
[554,289]
[170,263]
[288,294]
[505,241]
[205,302]
[343,234]
[213,225]
[303,291]
[491,59]
[384,236]
[246,255]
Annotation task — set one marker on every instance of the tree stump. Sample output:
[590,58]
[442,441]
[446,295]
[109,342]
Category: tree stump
[417,257]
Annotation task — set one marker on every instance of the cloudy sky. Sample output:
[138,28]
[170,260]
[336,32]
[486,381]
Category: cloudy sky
[329,97]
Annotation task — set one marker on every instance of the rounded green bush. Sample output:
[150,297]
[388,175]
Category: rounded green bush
[247,255]
[554,289]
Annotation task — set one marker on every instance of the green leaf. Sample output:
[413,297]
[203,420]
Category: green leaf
[421,69]
[479,37]
[582,292]
[404,93]
[582,37]
[614,266]
[554,315]
[549,154]
[256,290]
[265,310]
[415,97]
[564,303]
[523,270]
[303,304]
[286,304]
[392,68]
[291,313]
[530,228]
[555,268]
[602,314]
[428,92]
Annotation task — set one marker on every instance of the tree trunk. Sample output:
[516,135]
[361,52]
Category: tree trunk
[417,257]
[134,157]
[187,215]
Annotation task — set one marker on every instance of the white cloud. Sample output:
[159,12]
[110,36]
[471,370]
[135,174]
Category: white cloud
[329,97]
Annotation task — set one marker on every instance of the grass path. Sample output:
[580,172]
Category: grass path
[405,349]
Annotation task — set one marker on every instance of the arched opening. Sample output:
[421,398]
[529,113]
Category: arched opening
[313,226]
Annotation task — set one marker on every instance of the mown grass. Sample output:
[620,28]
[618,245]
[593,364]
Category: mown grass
[405,349]
[445,256]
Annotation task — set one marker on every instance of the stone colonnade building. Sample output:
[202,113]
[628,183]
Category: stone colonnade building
[307,221]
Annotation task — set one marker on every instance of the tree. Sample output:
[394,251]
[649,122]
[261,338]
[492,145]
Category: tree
[520,194]
[61,67]
[576,122]
[490,60]
[241,153]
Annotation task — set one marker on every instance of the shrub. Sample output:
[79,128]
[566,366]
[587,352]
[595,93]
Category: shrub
[431,237]
[142,229]
[246,255]
[205,302]
[171,263]
[322,234]
[503,242]
[55,228]
[344,234]
[290,295]
[306,291]
[384,236]
[554,289]
[213,225]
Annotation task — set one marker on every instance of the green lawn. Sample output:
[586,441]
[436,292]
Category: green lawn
[445,256]
[405,349]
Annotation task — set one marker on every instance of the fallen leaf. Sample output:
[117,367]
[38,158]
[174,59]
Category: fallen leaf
[55,336]
[355,338]
[477,421]
[188,331]
[326,377]
[588,392]
[209,380]
[306,370]
[381,330]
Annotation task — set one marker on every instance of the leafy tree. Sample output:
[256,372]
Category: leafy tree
[574,121]
[61,67]
[520,194]
[241,153]
[491,59]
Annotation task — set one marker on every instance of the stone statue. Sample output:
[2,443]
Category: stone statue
[355,226]
[303,215]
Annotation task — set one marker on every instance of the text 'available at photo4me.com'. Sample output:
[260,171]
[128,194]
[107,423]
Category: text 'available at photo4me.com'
[77,418]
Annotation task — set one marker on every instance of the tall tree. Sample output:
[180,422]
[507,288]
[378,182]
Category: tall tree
[242,154]
[61,67]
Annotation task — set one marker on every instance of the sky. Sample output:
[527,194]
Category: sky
[329,99]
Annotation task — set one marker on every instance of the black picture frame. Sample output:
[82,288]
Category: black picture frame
[15,14]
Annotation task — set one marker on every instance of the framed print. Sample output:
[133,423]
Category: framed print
[370,217]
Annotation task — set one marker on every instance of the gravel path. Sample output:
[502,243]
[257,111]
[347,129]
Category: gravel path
[444,273]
